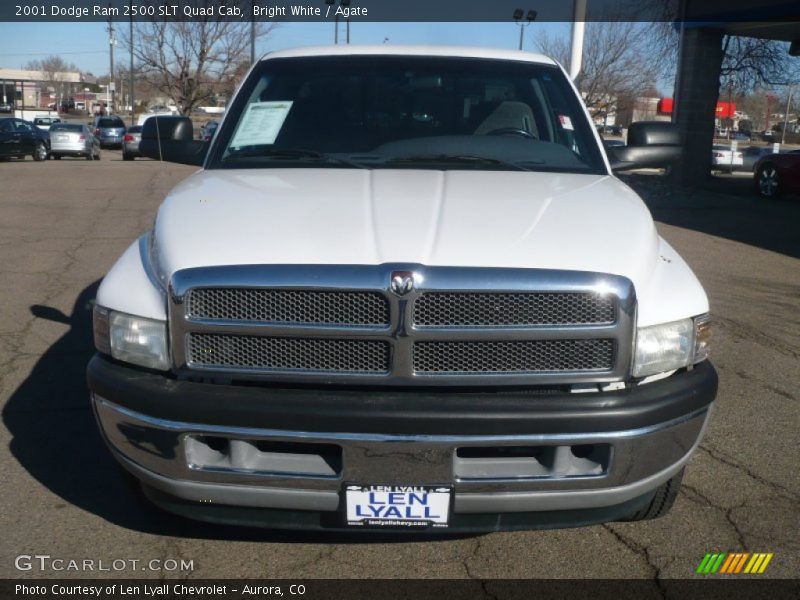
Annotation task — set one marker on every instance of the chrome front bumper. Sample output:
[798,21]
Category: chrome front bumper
[256,467]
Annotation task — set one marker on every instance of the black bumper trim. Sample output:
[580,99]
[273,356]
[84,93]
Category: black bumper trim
[331,521]
[480,412]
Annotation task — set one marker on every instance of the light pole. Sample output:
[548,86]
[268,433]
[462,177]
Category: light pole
[518,14]
[111,42]
[576,43]
[343,4]
[130,42]
[252,33]
[786,115]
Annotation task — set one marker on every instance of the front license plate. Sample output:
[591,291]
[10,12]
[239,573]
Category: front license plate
[398,505]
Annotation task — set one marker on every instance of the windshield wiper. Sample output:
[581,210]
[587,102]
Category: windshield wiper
[459,158]
[292,154]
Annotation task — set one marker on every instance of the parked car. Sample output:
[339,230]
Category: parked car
[207,131]
[610,129]
[73,139]
[110,131]
[130,144]
[751,155]
[6,107]
[613,143]
[778,174]
[20,138]
[160,109]
[44,123]
[740,135]
[723,158]
[360,315]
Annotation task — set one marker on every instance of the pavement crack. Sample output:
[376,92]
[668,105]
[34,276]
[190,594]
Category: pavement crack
[643,553]
[720,456]
[484,583]
[699,497]
[324,553]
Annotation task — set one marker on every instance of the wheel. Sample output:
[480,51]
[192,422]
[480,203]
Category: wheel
[57,156]
[662,501]
[40,153]
[90,156]
[126,156]
[769,183]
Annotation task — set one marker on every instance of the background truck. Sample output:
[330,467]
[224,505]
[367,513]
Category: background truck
[405,290]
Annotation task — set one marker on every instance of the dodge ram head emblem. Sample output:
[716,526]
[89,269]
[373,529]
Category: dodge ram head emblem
[402,282]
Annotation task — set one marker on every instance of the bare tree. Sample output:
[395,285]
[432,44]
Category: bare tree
[53,70]
[614,64]
[747,63]
[750,62]
[192,62]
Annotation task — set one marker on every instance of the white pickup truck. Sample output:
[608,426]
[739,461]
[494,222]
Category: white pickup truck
[405,290]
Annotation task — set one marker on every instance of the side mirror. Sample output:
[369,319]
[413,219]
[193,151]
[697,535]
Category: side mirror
[171,139]
[651,144]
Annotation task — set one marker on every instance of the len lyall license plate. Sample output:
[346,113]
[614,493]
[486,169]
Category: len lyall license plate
[397,505]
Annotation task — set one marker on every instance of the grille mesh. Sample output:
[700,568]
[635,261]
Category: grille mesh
[528,356]
[287,354]
[358,309]
[475,309]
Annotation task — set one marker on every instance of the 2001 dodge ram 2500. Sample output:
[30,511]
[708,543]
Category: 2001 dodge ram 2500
[404,290]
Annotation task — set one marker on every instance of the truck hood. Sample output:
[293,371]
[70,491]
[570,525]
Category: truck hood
[445,218]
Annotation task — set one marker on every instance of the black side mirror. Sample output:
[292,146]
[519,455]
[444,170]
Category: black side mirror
[651,144]
[171,139]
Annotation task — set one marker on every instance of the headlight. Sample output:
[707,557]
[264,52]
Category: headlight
[671,346]
[131,339]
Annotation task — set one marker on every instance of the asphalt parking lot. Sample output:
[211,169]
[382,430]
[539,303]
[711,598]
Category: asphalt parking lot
[64,223]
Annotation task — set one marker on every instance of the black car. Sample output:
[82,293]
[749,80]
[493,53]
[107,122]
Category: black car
[110,131]
[19,139]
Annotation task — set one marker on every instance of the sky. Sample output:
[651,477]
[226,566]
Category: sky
[86,44]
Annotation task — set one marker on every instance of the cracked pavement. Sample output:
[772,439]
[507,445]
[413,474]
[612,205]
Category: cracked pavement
[62,225]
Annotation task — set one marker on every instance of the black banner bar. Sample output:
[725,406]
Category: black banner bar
[715,11]
[733,588]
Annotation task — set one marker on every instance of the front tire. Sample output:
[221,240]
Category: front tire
[126,156]
[768,181]
[662,501]
[57,156]
[40,153]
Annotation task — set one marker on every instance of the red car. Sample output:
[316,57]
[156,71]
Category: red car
[777,174]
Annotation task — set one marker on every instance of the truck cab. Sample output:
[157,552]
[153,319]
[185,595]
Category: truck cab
[405,289]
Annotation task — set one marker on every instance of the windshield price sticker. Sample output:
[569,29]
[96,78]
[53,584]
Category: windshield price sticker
[397,506]
[261,123]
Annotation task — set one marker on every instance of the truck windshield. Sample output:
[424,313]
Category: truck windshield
[407,112]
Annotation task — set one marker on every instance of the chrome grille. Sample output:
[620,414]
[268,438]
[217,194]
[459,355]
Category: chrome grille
[343,324]
[287,354]
[526,356]
[360,309]
[471,309]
